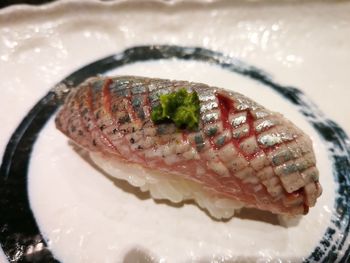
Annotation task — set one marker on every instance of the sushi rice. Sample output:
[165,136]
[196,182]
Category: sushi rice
[162,185]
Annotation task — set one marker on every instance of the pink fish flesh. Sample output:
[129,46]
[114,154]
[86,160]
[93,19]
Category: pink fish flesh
[241,150]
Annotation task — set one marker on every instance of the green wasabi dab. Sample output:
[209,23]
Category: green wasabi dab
[181,108]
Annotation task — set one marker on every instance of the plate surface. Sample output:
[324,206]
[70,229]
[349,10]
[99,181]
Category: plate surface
[289,57]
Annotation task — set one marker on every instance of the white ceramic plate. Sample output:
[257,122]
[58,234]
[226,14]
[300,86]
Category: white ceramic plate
[288,56]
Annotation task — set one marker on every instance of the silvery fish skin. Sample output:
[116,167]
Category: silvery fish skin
[240,151]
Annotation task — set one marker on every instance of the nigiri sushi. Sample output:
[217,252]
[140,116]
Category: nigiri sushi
[185,140]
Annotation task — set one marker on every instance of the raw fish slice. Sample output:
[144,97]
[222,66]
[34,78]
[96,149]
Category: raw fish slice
[241,152]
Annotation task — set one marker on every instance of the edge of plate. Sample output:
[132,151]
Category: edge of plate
[21,11]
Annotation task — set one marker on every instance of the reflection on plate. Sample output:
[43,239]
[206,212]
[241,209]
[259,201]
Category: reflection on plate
[53,225]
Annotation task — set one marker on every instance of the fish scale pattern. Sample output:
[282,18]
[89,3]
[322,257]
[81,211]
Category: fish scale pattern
[240,150]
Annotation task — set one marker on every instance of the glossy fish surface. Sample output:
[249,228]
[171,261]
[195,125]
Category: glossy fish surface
[240,150]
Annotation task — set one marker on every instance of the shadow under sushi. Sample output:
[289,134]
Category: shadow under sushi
[141,255]
[243,213]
